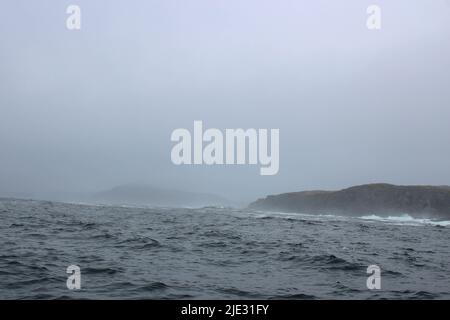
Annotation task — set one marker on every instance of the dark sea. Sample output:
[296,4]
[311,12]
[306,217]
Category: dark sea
[216,253]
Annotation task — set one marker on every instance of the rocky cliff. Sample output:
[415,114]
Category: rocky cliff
[378,199]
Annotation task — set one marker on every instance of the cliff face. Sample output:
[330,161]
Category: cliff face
[377,199]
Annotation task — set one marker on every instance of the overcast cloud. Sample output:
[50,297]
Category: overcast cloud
[87,110]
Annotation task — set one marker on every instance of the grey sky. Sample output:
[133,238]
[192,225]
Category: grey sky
[86,110]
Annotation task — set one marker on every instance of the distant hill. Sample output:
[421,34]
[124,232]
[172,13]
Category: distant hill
[378,199]
[137,194]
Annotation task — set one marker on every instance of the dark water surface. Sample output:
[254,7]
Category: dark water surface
[215,253]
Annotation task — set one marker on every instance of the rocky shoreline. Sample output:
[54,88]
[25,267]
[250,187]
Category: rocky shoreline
[379,199]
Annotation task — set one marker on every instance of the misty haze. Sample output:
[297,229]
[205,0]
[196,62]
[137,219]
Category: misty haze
[340,158]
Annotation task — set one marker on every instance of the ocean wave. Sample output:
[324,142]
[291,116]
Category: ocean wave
[153,286]
[238,292]
[107,270]
[217,254]
[295,296]
[404,219]
[333,262]
[140,241]
[326,261]
[407,220]
[291,216]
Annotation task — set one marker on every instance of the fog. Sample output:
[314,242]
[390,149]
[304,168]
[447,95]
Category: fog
[86,110]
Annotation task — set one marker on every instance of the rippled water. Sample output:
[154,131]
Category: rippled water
[214,253]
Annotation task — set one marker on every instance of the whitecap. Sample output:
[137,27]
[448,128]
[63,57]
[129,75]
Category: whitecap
[406,219]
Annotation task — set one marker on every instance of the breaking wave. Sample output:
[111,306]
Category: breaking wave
[407,220]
